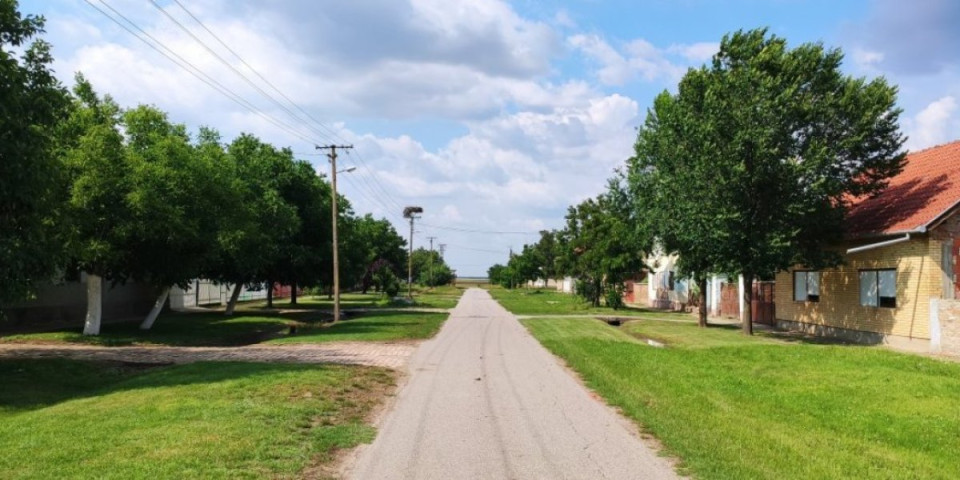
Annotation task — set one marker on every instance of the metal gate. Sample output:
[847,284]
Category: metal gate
[730,300]
[762,305]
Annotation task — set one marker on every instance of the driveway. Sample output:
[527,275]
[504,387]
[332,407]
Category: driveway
[485,400]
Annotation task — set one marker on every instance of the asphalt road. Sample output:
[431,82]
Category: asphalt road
[486,401]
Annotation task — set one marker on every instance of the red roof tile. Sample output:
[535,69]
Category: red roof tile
[928,186]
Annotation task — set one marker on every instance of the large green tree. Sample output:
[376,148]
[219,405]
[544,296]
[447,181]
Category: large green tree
[176,197]
[601,246]
[774,142]
[32,102]
[97,221]
[368,245]
[260,222]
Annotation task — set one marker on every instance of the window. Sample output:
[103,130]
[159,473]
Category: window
[878,288]
[806,286]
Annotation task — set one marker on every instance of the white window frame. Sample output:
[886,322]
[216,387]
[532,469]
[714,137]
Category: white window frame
[811,289]
[878,287]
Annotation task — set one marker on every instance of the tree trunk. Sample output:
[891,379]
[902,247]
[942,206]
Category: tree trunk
[293,293]
[746,316]
[155,311]
[232,304]
[91,326]
[702,310]
[269,294]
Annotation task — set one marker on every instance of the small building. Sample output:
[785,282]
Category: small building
[898,282]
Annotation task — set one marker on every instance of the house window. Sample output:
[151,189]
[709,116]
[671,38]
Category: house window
[671,282]
[806,286]
[878,288]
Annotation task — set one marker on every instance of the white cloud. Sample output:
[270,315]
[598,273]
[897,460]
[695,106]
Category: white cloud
[934,125]
[866,59]
[640,59]
[696,52]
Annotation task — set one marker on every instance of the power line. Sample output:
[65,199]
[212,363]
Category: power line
[240,74]
[471,230]
[255,72]
[373,184]
[475,249]
[190,68]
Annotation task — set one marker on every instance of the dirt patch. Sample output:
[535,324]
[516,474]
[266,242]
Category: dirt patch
[366,399]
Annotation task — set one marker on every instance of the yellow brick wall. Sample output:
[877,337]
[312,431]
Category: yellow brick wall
[918,279]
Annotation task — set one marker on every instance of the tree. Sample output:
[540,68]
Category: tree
[306,257]
[176,198]
[31,188]
[499,275]
[601,245]
[369,244]
[97,218]
[776,142]
[665,182]
[429,268]
[259,222]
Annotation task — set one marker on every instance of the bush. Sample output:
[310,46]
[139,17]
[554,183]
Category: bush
[614,296]
[392,289]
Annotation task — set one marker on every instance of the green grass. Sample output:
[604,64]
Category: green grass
[370,327]
[69,419]
[529,301]
[440,297]
[183,329]
[731,407]
[249,326]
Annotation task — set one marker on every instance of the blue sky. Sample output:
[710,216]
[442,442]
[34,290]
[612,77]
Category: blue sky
[493,116]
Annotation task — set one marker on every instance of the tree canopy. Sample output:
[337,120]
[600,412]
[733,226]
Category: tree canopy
[749,168]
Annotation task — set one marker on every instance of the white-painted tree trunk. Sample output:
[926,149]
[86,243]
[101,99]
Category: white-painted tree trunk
[91,326]
[155,311]
[232,304]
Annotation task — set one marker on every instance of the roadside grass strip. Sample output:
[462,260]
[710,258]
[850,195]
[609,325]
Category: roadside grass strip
[370,327]
[529,301]
[734,407]
[249,327]
[72,419]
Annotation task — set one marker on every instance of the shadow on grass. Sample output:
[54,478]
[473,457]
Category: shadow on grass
[31,384]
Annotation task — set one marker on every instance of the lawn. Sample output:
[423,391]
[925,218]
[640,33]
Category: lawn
[248,326]
[731,407]
[439,297]
[370,327]
[529,301]
[70,419]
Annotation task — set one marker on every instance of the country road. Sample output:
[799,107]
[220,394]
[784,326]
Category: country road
[486,401]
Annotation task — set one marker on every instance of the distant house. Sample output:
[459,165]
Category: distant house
[899,280]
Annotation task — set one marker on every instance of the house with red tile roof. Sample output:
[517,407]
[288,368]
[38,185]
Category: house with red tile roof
[900,279]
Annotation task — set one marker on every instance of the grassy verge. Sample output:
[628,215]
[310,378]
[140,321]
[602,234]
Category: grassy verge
[529,301]
[248,326]
[68,419]
[736,407]
[373,326]
[439,297]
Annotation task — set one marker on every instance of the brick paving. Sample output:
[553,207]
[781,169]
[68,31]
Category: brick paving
[389,355]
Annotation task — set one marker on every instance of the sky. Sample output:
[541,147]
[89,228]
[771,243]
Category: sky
[492,116]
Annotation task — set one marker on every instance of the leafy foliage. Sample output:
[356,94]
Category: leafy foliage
[751,165]
[31,193]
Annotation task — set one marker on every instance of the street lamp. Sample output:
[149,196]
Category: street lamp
[333,193]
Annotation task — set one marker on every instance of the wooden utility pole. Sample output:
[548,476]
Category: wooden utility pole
[410,212]
[336,255]
[431,257]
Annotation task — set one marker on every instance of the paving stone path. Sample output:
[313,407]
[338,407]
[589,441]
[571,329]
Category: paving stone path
[389,355]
